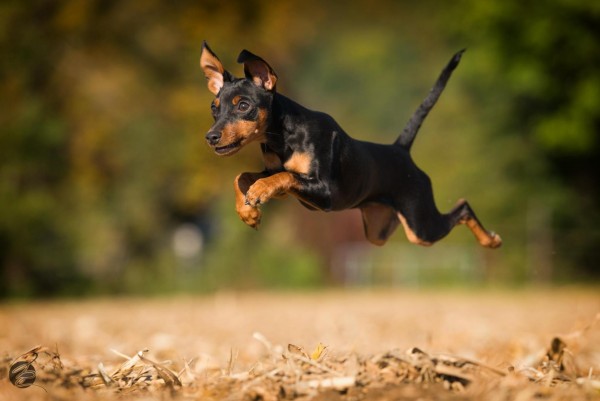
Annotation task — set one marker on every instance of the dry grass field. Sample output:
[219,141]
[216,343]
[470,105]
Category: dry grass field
[336,345]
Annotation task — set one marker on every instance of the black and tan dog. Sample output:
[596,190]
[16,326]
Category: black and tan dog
[307,154]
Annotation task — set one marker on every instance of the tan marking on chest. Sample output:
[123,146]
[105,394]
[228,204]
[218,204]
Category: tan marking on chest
[299,162]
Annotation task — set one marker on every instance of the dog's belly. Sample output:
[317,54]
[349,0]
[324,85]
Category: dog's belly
[370,172]
[308,205]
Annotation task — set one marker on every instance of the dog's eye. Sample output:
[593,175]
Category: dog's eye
[213,108]
[243,106]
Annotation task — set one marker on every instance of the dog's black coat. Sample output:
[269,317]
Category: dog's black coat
[308,155]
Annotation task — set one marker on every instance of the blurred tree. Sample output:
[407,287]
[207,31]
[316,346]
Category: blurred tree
[102,155]
[102,150]
[546,57]
[94,169]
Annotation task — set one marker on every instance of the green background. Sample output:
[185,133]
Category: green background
[107,185]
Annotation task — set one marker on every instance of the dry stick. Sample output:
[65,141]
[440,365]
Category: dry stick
[302,358]
[128,365]
[472,362]
[186,369]
[104,375]
[233,354]
[338,383]
[453,359]
[263,340]
[166,374]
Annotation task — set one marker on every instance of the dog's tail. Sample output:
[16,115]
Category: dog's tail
[409,133]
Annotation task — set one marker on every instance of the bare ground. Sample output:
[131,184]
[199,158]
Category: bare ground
[336,345]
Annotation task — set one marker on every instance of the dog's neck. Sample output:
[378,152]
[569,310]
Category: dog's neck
[283,118]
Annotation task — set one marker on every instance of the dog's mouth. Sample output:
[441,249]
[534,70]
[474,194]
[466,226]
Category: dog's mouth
[228,149]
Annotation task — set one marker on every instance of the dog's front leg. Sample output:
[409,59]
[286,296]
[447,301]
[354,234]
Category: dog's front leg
[249,214]
[268,187]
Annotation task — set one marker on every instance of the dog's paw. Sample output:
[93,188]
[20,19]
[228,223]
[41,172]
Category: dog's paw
[249,215]
[495,241]
[258,194]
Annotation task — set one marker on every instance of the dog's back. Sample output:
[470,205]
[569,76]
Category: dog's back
[307,154]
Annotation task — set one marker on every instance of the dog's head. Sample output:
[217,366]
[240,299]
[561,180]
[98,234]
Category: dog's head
[241,106]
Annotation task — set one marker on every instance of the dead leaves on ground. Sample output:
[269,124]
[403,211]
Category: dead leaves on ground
[295,373]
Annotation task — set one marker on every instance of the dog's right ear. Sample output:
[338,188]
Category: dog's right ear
[213,69]
[258,70]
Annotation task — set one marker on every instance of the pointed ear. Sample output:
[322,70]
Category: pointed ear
[258,70]
[213,69]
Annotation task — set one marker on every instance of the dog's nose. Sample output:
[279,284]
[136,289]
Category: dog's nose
[213,137]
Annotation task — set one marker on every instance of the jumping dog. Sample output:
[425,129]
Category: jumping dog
[308,155]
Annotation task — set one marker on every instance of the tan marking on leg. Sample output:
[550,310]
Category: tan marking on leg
[484,237]
[410,234]
[274,185]
[488,239]
[299,162]
[248,214]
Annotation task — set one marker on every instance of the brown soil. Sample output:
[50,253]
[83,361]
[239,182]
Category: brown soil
[376,345]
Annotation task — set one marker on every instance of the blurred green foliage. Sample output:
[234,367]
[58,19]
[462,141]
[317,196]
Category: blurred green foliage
[546,54]
[102,157]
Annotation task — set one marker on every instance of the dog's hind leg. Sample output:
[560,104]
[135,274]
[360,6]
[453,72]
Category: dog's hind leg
[463,214]
[424,224]
[424,227]
[380,222]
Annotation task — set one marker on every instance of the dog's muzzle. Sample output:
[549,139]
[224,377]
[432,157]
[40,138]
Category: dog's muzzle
[213,137]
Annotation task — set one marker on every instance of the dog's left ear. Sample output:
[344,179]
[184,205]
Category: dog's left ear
[258,70]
